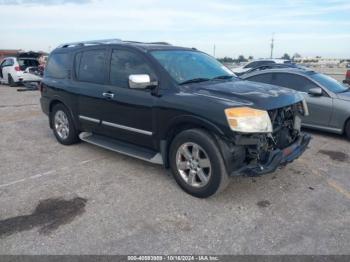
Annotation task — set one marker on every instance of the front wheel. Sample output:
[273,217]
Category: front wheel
[197,164]
[63,125]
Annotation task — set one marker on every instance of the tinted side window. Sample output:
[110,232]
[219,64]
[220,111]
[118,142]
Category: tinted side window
[296,82]
[58,66]
[92,66]
[125,63]
[262,63]
[263,78]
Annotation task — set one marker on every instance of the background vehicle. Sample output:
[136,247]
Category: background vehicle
[347,77]
[14,70]
[258,63]
[173,106]
[328,100]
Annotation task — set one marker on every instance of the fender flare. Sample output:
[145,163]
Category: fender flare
[167,134]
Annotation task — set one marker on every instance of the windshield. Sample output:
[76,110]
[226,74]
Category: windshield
[184,66]
[330,83]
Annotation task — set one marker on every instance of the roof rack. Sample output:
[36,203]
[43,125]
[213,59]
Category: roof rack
[107,41]
[92,42]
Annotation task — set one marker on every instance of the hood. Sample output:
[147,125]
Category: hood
[344,96]
[258,95]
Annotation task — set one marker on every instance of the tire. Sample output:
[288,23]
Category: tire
[205,174]
[347,129]
[10,81]
[63,125]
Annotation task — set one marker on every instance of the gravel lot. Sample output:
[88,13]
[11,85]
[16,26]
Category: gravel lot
[82,199]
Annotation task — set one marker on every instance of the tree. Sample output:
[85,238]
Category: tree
[250,57]
[241,59]
[286,56]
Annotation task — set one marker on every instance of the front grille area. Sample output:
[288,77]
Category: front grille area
[283,120]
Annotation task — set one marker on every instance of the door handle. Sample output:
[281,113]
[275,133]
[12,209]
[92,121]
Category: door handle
[108,95]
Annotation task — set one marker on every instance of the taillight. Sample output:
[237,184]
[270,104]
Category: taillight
[17,68]
[348,74]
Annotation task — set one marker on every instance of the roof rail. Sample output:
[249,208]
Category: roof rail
[159,43]
[147,43]
[92,42]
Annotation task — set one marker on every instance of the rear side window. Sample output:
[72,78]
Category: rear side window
[125,63]
[263,78]
[259,63]
[8,62]
[296,82]
[91,67]
[58,66]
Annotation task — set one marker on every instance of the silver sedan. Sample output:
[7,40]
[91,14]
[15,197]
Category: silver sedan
[328,100]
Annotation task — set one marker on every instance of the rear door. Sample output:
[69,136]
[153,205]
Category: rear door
[127,113]
[320,107]
[7,68]
[90,76]
[2,65]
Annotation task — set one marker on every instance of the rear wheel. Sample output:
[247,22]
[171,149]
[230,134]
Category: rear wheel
[63,125]
[197,164]
[11,82]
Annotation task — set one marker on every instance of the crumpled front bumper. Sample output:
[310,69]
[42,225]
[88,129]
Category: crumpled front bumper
[277,158]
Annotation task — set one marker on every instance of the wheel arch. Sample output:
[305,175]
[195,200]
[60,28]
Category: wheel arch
[180,124]
[57,101]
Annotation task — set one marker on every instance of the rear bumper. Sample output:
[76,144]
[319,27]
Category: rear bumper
[277,158]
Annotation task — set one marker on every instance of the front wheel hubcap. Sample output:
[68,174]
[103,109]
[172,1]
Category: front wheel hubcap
[193,164]
[61,124]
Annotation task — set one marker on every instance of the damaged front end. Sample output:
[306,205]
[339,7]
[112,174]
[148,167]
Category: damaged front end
[257,154]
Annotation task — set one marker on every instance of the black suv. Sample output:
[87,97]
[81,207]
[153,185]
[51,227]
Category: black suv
[173,106]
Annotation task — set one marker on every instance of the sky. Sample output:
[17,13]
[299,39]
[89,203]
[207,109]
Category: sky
[235,27]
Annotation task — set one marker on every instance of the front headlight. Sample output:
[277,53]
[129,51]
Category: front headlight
[248,120]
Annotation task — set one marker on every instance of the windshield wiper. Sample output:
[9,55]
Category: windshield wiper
[223,77]
[194,80]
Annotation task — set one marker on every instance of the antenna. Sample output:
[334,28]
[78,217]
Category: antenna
[272,45]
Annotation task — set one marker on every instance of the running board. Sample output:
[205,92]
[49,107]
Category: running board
[122,147]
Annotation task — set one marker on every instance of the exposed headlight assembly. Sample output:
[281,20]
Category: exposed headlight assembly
[248,120]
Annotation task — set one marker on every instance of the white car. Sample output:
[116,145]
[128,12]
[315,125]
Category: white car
[256,63]
[14,70]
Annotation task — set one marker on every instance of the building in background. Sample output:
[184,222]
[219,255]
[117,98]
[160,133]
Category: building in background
[8,52]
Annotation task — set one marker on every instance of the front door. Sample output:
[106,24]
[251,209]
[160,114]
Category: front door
[128,113]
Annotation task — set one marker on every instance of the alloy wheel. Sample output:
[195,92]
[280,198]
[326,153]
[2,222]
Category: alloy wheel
[61,124]
[193,164]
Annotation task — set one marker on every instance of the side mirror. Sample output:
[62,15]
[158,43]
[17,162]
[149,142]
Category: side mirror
[317,91]
[140,81]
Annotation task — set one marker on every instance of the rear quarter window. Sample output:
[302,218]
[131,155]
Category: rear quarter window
[58,66]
